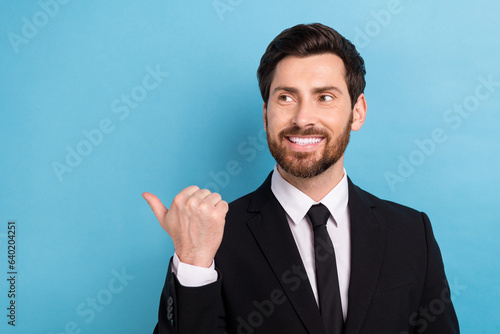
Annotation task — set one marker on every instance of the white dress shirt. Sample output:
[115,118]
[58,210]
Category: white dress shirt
[296,204]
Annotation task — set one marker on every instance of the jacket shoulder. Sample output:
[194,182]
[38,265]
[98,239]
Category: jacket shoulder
[241,203]
[385,207]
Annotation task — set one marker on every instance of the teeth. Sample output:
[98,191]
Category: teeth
[304,141]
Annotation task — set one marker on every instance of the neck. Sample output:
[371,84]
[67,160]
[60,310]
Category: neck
[320,185]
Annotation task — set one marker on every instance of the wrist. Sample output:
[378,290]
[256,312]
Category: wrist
[203,262]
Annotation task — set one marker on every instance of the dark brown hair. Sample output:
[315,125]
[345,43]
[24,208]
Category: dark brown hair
[305,40]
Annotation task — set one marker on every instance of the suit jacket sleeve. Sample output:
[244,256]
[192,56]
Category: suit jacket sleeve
[188,310]
[436,313]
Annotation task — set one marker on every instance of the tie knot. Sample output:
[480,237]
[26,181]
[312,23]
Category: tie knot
[318,215]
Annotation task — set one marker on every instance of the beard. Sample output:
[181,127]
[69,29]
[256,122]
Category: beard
[308,164]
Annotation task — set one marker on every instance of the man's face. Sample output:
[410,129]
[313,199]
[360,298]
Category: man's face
[308,117]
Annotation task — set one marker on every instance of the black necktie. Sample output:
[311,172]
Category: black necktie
[326,271]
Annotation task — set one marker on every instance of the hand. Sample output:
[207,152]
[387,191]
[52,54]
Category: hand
[195,222]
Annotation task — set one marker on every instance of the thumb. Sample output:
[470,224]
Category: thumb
[156,205]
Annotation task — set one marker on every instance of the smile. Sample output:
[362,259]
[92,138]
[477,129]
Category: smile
[305,140]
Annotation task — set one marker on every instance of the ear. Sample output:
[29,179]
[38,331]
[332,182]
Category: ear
[264,115]
[359,113]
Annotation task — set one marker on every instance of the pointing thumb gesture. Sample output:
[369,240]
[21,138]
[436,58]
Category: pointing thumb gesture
[195,222]
[157,206]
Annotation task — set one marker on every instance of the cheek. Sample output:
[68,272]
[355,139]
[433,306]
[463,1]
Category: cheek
[338,123]
[272,123]
[278,119]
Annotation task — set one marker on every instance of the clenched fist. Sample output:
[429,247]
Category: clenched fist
[195,222]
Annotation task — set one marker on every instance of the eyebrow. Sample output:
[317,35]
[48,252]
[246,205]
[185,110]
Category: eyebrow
[286,89]
[315,90]
[325,89]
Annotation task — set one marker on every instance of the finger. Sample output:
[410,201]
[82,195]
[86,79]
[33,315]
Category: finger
[196,199]
[185,194]
[188,191]
[213,199]
[156,205]
[201,194]
[223,207]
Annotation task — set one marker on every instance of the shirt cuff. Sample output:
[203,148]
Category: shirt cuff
[193,276]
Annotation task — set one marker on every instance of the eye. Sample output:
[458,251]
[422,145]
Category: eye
[285,98]
[325,98]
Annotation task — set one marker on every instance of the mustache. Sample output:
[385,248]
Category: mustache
[298,131]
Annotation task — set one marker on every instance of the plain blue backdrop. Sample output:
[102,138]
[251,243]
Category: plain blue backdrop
[101,101]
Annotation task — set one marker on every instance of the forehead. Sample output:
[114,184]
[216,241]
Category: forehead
[312,71]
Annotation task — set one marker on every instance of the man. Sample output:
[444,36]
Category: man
[308,251]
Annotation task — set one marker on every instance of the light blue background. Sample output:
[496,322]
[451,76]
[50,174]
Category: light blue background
[63,79]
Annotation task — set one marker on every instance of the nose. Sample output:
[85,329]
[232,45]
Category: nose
[305,115]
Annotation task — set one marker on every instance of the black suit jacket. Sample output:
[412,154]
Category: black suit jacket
[397,283]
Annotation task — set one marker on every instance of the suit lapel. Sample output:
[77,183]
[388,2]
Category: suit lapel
[271,231]
[367,249]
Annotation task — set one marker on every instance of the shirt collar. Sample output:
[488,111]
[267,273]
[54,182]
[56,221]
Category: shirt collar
[296,203]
